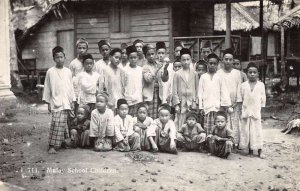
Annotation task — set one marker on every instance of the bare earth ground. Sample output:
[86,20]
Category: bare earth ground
[24,162]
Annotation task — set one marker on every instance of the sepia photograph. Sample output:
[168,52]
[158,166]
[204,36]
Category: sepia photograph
[150,95]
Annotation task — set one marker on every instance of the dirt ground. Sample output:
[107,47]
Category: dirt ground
[24,162]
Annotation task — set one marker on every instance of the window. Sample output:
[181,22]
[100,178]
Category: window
[119,18]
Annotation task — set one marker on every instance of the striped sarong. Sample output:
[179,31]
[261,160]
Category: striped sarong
[209,121]
[154,104]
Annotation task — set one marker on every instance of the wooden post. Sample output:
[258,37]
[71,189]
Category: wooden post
[263,41]
[275,65]
[282,53]
[171,40]
[228,25]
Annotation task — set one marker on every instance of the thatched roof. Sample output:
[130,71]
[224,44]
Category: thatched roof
[291,18]
[245,17]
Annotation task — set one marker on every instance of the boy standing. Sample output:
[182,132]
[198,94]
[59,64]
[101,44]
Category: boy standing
[139,44]
[237,65]
[212,93]
[59,95]
[124,57]
[184,88]
[76,66]
[104,49]
[232,79]
[113,80]
[134,74]
[205,51]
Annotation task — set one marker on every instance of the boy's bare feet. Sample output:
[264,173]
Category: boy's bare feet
[52,150]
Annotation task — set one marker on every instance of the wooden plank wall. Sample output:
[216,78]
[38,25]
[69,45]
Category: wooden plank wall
[44,40]
[147,22]
[150,23]
[93,26]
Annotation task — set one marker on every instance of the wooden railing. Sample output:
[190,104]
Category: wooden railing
[195,43]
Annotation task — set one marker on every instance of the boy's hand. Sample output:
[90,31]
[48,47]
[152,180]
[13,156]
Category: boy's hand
[143,126]
[216,137]
[188,139]
[125,141]
[177,109]
[166,66]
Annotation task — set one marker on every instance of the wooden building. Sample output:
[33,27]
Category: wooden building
[117,21]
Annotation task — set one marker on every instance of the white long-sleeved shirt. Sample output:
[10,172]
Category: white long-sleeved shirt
[212,93]
[134,88]
[58,89]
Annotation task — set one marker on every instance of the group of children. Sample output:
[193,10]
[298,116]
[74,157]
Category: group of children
[135,99]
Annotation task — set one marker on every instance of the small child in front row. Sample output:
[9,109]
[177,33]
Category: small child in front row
[252,94]
[191,136]
[220,141]
[141,123]
[101,128]
[162,133]
[79,127]
[125,137]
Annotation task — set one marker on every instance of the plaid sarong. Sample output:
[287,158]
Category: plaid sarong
[154,104]
[58,129]
[209,121]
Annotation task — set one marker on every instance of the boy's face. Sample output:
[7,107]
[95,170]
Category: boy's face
[177,66]
[59,59]
[161,53]
[133,58]
[81,114]
[81,48]
[124,56]
[164,116]
[104,51]
[201,69]
[191,121]
[123,110]
[88,65]
[186,61]
[228,60]
[177,51]
[142,113]
[220,122]
[115,59]
[237,64]
[101,103]
[139,48]
[252,74]
[205,52]
[150,56]
[212,65]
